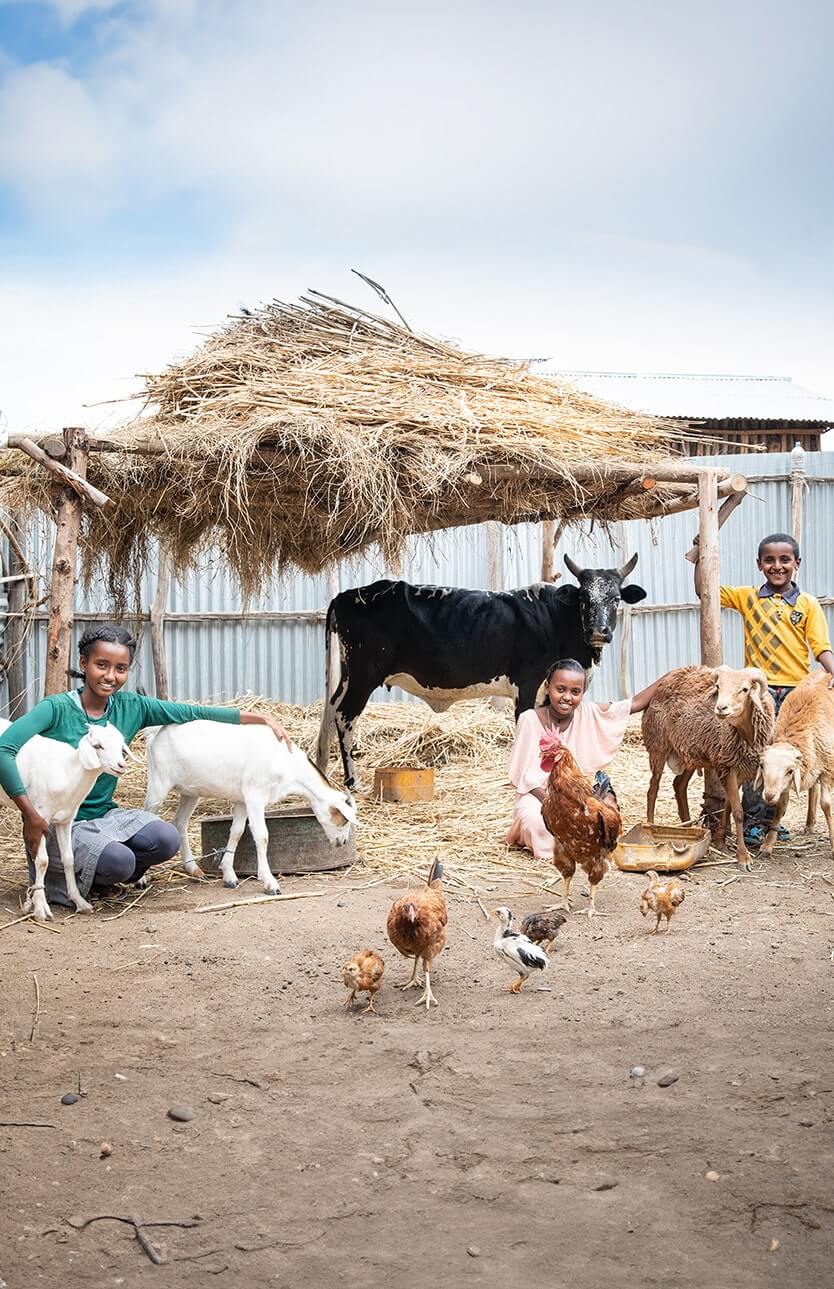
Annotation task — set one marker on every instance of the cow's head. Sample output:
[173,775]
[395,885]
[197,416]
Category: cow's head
[600,592]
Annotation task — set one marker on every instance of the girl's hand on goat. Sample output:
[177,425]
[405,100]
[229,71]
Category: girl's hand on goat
[35,828]
[256,718]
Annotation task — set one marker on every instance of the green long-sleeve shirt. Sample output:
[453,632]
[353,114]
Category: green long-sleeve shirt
[62,718]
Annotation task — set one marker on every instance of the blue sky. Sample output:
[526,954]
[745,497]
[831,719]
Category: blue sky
[631,187]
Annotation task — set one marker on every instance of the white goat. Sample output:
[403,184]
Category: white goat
[248,766]
[801,755]
[57,778]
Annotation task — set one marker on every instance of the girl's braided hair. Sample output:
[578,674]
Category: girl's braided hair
[105,635]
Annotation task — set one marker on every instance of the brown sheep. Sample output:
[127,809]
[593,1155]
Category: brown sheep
[709,718]
[802,754]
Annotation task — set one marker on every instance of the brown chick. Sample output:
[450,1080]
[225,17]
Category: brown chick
[662,898]
[585,829]
[417,927]
[542,928]
[363,975]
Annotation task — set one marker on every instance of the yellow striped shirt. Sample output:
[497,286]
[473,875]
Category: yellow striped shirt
[778,634]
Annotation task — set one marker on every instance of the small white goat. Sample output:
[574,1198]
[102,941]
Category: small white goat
[57,778]
[248,766]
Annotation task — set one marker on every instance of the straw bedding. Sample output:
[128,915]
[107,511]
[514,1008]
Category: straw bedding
[304,433]
[465,824]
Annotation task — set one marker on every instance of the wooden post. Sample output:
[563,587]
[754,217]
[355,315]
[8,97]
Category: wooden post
[626,621]
[797,492]
[159,608]
[61,598]
[495,570]
[710,566]
[548,530]
[20,591]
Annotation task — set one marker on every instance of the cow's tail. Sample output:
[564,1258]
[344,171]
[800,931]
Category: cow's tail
[332,679]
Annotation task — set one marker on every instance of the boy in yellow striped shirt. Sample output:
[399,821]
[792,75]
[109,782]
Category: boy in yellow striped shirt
[783,629]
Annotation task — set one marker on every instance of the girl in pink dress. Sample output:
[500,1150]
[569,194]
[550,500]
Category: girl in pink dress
[593,732]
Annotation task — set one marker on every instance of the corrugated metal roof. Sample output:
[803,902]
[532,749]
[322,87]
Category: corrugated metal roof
[706,397]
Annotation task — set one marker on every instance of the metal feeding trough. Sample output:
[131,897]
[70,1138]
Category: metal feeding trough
[665,849]
[296,844]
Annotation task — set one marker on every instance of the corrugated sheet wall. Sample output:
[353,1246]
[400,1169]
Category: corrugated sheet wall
[286,659]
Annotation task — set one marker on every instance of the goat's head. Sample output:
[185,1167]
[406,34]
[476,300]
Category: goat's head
[736,690]
[103,748]
[779,768]
[336,812]
[600,593]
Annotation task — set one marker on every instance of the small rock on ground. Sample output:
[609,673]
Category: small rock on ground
[181,1113]
[666,1080]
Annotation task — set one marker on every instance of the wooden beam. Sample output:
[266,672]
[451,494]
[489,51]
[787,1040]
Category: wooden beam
[728,505]
[710,566]
[159,608]
[69,477]
[21,590]
[68,527]
[797,492]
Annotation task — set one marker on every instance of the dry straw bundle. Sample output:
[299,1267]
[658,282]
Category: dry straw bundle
[304,433]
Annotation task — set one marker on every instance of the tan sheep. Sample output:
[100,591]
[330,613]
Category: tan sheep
[802,754]
[709,718]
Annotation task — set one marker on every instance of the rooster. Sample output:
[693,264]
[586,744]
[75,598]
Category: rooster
[417,927]
[363,975]
[662,898]
[585,828]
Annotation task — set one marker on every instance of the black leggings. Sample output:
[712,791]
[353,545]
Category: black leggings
[127,861]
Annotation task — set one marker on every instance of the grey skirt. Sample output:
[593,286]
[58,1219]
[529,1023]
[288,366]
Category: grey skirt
[89,838]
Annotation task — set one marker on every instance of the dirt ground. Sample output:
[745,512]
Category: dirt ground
[498,1137]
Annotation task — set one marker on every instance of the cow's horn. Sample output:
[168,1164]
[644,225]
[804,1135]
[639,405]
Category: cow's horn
[629,567]
[571,567]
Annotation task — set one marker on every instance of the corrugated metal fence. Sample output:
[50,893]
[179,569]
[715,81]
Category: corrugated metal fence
[285,658]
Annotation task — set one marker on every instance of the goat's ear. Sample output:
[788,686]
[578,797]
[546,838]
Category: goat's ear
[758,682]
[632,594]
[129,756]
[87,754]
[797,779]
[758,782]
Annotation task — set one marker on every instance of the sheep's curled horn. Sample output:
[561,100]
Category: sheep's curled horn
[622,572]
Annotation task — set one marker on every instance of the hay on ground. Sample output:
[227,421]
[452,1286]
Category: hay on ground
[302,434]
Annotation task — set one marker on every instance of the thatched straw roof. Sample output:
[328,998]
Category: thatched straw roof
[305,433]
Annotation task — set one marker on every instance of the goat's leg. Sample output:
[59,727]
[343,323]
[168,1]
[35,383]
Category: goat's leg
[766,848]
[227,864]
[813,803]
[63,832]
[825,801]
[185,809]
[680,783]
[36,902]
[654,788]
[731,792]
[260,833]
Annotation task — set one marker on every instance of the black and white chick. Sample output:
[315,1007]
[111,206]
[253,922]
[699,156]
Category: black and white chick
[517,950]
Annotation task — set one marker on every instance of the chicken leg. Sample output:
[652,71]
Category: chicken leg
[565,902]
[413,983]
[370,1007]
[593,911]
[349,998]
[517,985]
[427,996]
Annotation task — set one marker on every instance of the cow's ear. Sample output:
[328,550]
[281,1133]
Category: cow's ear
[568,593]
[632,594]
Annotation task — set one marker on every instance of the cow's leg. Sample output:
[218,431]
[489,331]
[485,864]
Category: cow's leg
[526,693]
[347,712]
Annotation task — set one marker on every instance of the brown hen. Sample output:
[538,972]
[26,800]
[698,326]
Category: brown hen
[662,898]
[363,975]
[585,828]
[417,927]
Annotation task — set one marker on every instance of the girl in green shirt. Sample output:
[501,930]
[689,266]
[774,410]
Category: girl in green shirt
[109,844]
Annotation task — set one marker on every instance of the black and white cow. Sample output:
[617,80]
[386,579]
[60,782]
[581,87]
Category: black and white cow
[444,644]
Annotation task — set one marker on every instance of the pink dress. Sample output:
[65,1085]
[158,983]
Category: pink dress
[594,736]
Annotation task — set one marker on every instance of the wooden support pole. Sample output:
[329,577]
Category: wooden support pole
[728,505]
[61,599]
[64,474]
[495,569]
[625,619]
[710,566]
[551,536]
[159,608]
[797,492]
